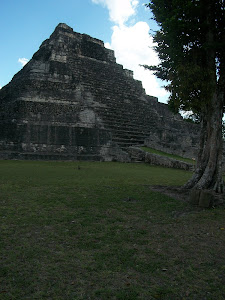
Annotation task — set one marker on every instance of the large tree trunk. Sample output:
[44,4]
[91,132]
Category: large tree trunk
[208,172]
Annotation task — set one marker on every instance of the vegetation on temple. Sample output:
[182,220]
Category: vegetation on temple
[190,44]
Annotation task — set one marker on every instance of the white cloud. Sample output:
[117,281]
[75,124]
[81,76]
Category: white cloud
[133,45]
[119,10]
[0,87]
[23,61]
[108,46]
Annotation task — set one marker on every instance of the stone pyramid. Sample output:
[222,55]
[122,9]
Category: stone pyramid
[73,101]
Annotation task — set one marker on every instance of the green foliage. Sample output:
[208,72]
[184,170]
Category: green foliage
[190,45]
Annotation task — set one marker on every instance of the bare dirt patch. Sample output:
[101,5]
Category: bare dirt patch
[175,192]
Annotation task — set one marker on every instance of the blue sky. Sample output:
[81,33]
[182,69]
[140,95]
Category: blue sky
[123,25]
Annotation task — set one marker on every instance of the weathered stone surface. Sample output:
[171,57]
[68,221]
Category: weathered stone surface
[112,152]
[73,101]
[138,154]
[164,161]
[175,137]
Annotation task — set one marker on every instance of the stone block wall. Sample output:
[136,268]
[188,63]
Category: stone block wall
[73,100]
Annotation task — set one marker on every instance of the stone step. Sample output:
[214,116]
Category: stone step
[127,141]
[134,112]
[125,135]
[127,118]
[124,145]
[128,128]
[131,131]
[114,105]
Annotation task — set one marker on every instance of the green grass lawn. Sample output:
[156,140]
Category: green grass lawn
[101,233]
[151,150]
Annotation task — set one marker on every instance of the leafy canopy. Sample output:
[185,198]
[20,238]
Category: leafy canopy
[190,45]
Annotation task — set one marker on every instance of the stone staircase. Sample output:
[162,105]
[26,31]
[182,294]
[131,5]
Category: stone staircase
[125,131]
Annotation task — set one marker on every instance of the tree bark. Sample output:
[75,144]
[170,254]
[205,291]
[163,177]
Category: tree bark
[208,172]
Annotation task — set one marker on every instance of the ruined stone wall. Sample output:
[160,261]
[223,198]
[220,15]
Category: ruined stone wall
[175,136]
[73,101]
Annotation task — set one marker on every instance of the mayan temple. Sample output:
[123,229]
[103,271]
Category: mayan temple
[73,101]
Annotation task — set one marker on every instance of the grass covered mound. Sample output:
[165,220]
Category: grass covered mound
[97,231]
[154,151]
